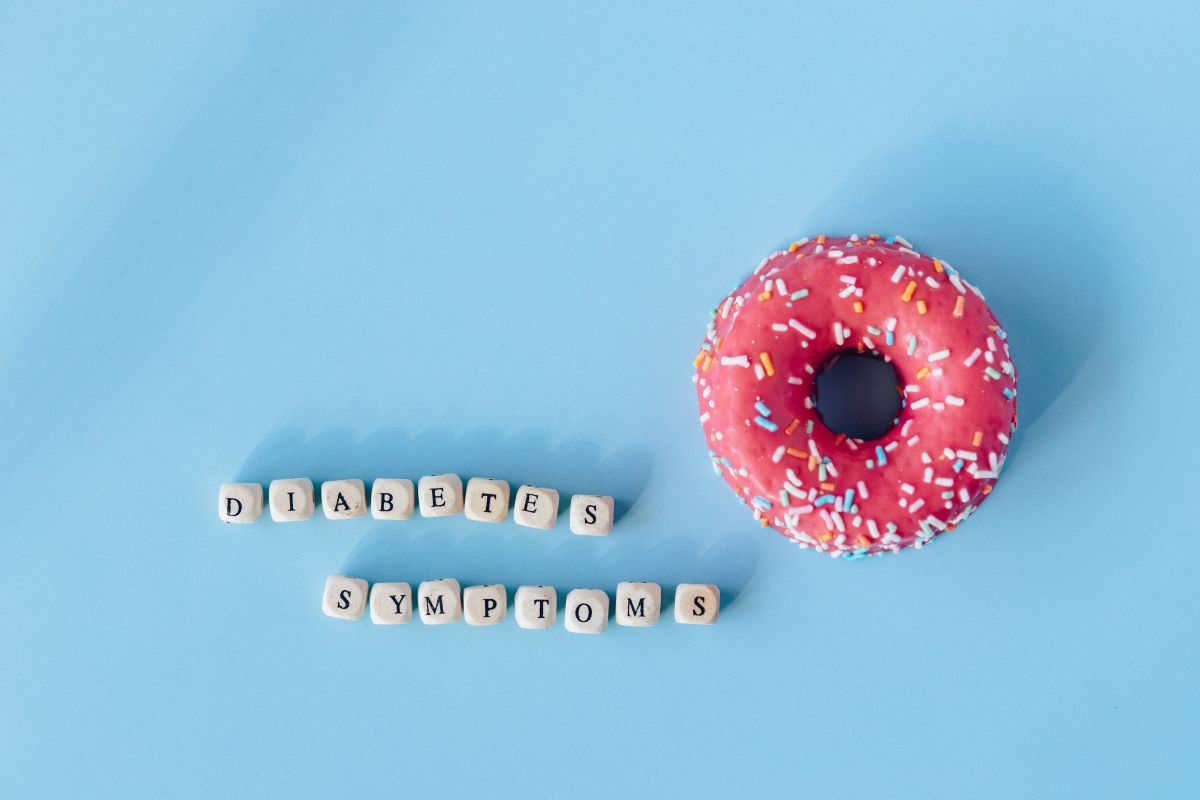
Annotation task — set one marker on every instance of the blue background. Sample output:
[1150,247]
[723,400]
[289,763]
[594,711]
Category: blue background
[240,243]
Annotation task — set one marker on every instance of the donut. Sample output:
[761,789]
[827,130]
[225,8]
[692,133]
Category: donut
[800,311]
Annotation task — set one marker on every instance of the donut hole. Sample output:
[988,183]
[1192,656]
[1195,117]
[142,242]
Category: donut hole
[858,394]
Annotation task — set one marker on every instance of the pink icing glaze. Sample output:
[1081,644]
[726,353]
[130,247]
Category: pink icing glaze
[770,338]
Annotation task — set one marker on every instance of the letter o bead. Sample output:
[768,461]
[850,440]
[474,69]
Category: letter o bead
[586,611]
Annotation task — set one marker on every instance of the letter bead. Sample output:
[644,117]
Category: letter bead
[440,495]
[697,603]
[439,602]
[391,498]
[239,502]
[344,598]
[536,507]
[591,514]
[344,499]
[535,607]
[485,605]
[487,500]
[638,604]
[586,611]
[391,603]
[291,499]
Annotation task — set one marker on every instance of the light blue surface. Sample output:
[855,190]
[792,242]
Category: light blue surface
[346,241]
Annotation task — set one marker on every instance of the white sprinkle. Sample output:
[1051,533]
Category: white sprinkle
[778,326]
[704,417]
[973,357]
[862,490]
[912,509]
[928,474]
[781,286]
[890,324]
[837,333]
[963,494]
[900,240]
[758,371]
[939,355]
[908,488]
[735,361]
[932,283]
[778,454]
[848,260]
[835,254]
[809,332]
[924,401]
[954,401]
[966,455]
[913,440]
[873,529]
[944,482]
[792,379]
[896,276]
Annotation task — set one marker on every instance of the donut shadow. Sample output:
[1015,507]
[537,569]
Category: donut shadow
[1021,221]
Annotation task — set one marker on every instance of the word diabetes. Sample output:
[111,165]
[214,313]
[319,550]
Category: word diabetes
[483,500]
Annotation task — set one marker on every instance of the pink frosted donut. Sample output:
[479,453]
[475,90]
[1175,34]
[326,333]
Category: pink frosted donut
[802,309]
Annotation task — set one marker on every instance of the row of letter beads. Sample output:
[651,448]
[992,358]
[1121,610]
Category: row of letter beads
[586,610]
[484,500]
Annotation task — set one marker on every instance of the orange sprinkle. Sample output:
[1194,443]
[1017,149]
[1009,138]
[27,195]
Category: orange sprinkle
[921,307]
[826,536]
[791,428]
[795,246]
[922,372]
[841,437]
[937,265]
[764,296]
[812,462]
[827,486]
[874,236]
[987,488]
[716,344]
[765,358]
[699,358]
[862,541]
[794,453]
[958,305]
[821,239]
[908,291]
[707,362]
[977,439]
[764,522]
[858,306]
[862,348]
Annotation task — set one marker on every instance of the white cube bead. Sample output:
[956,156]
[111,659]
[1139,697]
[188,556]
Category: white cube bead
[586,610]
[487,500]
[391,603]
[344,499]
[440,495]
[697,603]
[485,605]
[439,601]
[638,604]
[535,607]
[536,507]
[344,598]
[591,514]
[391,498]
[240,502]
[291,499]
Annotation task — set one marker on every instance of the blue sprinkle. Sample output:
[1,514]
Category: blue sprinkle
[848,502]
[880,455]
[1008,393]
[824,500]
[890,240]
[958,465]
[762,502]
[762,408]
[763,422]
[889,338]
